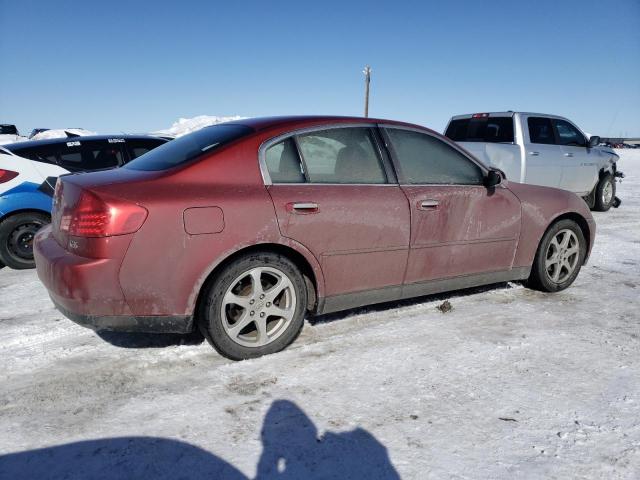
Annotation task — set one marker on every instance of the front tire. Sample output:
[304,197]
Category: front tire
[559,258]
[605,192]
[255,306]
[16,239]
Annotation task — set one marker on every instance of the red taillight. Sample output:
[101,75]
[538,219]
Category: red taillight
[6,175]
[480,115]
[94,217]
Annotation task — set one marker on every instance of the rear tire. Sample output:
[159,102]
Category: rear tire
[242,320]
[559,258]
[605,192]
[16,239]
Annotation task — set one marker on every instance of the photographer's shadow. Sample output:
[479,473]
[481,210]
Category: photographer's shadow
[292,449]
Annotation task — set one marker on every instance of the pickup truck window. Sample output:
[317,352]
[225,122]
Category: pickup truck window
[569,135]
[541,130]
[426,160]
[484,129]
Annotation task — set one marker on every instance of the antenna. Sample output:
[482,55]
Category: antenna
[367,81]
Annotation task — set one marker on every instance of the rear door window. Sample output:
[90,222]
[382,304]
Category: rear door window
[481,129]
[342,155]
[541,130]
[77,156]
[569,135]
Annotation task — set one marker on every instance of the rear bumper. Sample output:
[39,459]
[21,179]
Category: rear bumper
[126,323]
[87,291]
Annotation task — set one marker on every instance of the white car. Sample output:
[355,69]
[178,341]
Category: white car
[541,149]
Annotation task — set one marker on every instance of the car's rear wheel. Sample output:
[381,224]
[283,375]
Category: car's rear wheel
[255,306]
[605,193]
[559,257]
[16,239]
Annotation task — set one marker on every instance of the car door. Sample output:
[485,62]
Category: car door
[579,172]
[543,157]
[334,193]
[458,226]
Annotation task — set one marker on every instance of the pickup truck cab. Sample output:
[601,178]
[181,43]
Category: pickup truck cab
[541,149]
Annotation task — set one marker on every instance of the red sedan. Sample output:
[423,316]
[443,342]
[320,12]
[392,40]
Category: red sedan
[241,229]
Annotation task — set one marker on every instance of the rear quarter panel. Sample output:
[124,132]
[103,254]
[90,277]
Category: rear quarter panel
[165,267]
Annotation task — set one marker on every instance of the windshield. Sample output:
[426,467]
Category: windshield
[484,129]
[187,148]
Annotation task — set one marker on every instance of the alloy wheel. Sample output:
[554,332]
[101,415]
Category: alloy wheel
[258,306]
[562,256]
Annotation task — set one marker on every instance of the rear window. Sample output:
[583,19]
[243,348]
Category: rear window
[188,147]
[44,154]
[485,129]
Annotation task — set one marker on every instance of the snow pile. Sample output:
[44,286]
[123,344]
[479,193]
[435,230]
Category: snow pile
[61,133]
[188,125]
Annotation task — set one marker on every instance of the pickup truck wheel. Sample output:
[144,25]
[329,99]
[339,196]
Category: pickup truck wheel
[605,193]
[559,257]
[16,239]
[255,306]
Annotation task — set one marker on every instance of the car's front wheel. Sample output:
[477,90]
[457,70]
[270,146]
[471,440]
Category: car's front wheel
[605,193]
[255,306]
[16,239]
[559,257]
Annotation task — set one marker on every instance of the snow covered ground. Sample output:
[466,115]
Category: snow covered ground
[511,383]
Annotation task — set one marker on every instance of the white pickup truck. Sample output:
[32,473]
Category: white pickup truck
[542,150]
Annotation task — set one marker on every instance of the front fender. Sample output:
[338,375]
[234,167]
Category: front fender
[541,206]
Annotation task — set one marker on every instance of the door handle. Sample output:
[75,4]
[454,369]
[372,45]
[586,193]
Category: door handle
[568,154]
[534,154]
[428,204]
[302,207]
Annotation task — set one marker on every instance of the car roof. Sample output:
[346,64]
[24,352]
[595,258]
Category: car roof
[295,121]
[509,113]
[79,138]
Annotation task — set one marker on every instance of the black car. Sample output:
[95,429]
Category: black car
[87,153]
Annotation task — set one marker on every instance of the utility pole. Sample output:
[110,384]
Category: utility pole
[367,81]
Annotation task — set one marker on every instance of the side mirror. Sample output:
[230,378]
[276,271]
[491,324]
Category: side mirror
[594,141]
[492,179]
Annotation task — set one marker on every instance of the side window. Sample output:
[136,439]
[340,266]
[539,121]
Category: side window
[428,160]
[342,155]
[90,156]
[97,157]
[283,163]
[569,135]
[71,157]
[540,130]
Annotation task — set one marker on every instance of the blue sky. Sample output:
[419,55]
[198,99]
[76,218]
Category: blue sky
[137,66]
